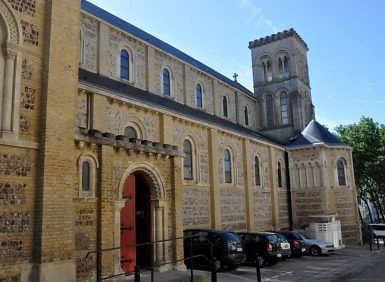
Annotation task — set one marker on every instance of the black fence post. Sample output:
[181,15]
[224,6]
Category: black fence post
[137,274]
[378,243]
[191,260]
[257,267]
[214,270]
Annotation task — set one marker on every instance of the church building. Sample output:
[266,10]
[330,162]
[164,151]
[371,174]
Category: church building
[111,137]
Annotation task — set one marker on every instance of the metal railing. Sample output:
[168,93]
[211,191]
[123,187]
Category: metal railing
[136,273]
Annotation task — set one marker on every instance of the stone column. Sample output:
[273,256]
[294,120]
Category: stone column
[6,116]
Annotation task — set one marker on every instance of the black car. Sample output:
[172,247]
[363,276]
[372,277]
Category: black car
[224,246]
[265,244]
[297,244]
[285,245]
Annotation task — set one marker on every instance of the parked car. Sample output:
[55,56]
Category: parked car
[285,245]
[297,244]
[265,244]
[316,247]
[224,246]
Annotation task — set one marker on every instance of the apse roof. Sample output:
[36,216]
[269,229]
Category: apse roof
[137,32]
[314,133]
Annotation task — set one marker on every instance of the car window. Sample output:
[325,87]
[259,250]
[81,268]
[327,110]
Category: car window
[303,236]
[201,236]
[281,236]
[232,237]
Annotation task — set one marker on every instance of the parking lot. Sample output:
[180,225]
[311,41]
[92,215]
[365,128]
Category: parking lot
[350,264]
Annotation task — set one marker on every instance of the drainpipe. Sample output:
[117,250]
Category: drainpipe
[289,205]
[99,222]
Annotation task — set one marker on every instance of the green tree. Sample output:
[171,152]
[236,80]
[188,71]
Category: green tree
[368,141]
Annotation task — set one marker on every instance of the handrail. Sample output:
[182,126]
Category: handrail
[212,261]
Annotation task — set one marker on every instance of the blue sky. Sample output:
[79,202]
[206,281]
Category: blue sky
[345,38]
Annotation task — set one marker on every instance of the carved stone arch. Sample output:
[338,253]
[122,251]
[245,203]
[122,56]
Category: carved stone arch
[135,123]
[150,174]
[264,57]
[13,29]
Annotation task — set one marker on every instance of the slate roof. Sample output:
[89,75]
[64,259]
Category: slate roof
[156,101]
[314,133]
[152,40]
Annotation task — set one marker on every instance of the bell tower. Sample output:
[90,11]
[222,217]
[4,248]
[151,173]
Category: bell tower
[281,84]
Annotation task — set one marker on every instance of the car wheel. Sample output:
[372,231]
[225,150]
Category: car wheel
[315,251]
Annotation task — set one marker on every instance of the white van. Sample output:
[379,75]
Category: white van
[378,229]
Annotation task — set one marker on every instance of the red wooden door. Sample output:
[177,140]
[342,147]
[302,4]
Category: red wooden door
[128,227]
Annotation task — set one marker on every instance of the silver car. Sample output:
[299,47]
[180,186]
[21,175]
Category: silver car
[317,247]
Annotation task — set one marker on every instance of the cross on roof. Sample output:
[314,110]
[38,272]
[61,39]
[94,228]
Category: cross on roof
[235,77]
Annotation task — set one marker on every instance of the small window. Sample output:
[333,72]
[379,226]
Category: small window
[124,65]
[227,164]
[341,173]
[246,113]
[224,107]
[279,173]
[284,109]
[269,111]
[86,174]
[187,161]
[256,172]
[166,83]
[199,99]
[130,132]
[267,71]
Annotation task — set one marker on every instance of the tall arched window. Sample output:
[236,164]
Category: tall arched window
[227,166]
[256,172]
[270,111]
[224,106]
[187,161]
[284,109]
[279,173]
[267,71]
[166,82]
[198,93]
[341,173]
[124,64]
[86,174]
[130,132]
[246,113]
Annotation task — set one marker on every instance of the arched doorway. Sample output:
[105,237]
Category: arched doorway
[135,223]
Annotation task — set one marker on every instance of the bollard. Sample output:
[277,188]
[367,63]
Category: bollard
[257,266]
[378,243]
[214,271]
[137,274]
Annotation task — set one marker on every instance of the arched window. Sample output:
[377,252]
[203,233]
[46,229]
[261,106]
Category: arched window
[198,93]
[267,71]
[187,161]
[246,113]
[86,174]
[341,173]
[270,111]
[124,64]
[285,64]
[166,82]
[284,109]
[280,65]
[256,172]
[227,166]
[224,106]
[279,173]
[130,132]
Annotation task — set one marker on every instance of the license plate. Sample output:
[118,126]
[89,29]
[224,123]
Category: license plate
[279,255]
[303,250]
[239,249]
[286,246]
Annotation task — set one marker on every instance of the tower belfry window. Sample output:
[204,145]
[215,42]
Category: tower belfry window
[284,109]
[267,71]
[269,111]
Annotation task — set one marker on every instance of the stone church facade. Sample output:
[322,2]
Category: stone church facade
[110,136]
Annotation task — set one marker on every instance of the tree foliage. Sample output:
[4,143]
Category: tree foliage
[368,141]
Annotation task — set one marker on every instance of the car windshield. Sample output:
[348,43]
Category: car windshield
[232,237]
[303,236]
[272,238]
[281,237]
